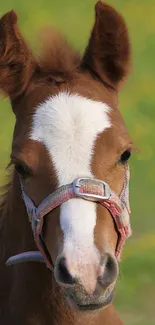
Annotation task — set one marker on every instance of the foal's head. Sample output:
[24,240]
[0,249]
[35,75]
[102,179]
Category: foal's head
[68,125]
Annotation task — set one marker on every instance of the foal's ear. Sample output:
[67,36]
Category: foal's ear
[108,52]
[16,61]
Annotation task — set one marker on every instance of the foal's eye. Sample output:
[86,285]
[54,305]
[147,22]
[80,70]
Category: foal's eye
[125,156]
[23,170]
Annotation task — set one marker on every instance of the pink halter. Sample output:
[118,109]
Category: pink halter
[85,188]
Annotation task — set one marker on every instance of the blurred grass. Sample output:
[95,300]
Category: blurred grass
[135,295]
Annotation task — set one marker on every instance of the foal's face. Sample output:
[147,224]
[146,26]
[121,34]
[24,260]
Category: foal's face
[68,125]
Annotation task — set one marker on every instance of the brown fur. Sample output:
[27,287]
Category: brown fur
[108,51]
[57,56]
[28,293]
[16,61]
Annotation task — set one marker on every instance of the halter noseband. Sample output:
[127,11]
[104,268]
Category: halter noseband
[86,188]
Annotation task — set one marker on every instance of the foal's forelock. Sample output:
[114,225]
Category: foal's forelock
[68,125]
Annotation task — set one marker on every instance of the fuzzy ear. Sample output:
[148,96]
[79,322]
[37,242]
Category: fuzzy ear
[107,55]
[16,61]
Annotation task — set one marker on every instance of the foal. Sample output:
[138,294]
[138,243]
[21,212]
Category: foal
[69,176]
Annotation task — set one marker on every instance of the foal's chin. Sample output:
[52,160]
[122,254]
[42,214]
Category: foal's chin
[89,304]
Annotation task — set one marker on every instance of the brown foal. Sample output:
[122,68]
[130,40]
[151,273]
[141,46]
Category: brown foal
[68,126]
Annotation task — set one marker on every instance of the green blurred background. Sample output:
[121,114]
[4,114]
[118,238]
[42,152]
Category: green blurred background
[135,294]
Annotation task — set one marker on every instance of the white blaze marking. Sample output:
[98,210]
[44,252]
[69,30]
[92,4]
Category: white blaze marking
[68,125]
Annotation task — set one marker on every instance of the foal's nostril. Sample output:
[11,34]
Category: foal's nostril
[110,271]
[63,274]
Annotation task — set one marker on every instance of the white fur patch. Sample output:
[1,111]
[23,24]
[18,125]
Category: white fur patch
[68,125]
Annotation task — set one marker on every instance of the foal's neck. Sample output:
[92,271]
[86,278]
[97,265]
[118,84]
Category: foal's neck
[28,292]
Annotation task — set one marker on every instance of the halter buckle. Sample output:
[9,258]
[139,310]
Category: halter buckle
[78,183]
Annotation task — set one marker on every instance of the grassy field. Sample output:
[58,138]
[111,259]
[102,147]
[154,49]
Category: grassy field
[135,296]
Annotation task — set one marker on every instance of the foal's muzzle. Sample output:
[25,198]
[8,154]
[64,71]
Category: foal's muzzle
[80,295]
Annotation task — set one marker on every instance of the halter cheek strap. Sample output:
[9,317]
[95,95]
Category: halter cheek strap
[85,188]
